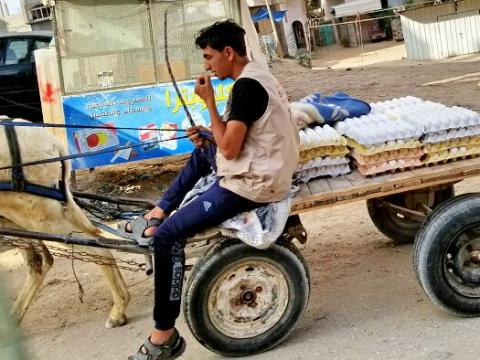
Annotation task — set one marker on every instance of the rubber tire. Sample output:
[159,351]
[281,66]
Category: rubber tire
[387,226]
[212,264]
[429,249]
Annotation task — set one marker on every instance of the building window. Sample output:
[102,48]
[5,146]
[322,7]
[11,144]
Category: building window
[40,13]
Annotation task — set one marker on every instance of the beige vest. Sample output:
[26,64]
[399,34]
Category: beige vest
[263,170]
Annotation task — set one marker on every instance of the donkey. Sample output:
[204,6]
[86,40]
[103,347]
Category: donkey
[36,213]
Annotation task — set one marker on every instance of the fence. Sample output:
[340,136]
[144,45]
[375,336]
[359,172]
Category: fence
[112,44]
[351,33]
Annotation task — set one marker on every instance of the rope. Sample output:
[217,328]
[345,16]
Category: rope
[170,72]
[91,153]
[11,123]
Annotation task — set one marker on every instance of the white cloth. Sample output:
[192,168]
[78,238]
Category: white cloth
[259,228]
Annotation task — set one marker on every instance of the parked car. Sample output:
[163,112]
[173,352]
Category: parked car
[375,33]
[19,93]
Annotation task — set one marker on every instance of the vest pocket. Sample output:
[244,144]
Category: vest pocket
[232,167]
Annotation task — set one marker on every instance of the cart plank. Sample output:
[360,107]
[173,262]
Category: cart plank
[319,186]
[354,187]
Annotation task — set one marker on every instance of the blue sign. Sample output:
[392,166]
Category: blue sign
[146,108]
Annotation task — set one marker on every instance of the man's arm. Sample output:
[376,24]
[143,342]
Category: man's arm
[228,136]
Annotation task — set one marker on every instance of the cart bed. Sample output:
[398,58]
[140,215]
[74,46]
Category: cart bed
[352,187]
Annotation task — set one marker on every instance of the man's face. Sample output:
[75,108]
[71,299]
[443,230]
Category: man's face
[218,62]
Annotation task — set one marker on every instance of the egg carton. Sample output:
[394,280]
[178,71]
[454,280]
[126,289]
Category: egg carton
[377,128]
[382,147]
[332,151]
[305,176]
[389,166]
[320,136]
[387,156]
[452,134]
[426,115]
[445,145]
[454,153]
[322,161]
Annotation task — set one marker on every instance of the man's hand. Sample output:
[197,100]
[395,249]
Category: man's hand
[204,89]
[193,134]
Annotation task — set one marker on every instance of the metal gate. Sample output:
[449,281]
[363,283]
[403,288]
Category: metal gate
[442,31]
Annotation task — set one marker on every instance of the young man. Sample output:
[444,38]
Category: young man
[254,153]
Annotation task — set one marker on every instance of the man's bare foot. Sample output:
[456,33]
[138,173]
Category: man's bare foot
[160,337]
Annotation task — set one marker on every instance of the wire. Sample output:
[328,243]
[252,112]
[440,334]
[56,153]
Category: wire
[91,153]
[170,72]
[72,126]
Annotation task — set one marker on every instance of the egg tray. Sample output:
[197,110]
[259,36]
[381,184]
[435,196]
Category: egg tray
[469,126]
[445,145]
[407,164]
[332,151]
[390,146]
[322,161]
[451,134]
[340,141]
[305,176]
[386,156]
[446,155]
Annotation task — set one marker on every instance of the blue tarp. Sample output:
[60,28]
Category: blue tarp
[336,107]
[262,14]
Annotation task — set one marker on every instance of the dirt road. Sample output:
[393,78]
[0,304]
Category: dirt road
[365,301]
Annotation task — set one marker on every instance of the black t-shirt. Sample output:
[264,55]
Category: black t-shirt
[249,101]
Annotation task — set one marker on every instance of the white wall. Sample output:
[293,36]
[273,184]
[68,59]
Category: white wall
[440,31]
[327,5]
[296,10]
[14,23]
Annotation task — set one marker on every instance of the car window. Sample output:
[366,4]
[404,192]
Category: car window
[41,44]
[17,52]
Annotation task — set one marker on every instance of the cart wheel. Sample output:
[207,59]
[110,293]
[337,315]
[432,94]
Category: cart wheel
[400,226]
[446,256]
[242,301]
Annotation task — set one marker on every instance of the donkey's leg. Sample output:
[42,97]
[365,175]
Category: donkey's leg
[38,261]
[121,296]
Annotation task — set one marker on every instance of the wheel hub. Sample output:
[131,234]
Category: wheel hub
[475,257]
[463,264]
[248,298]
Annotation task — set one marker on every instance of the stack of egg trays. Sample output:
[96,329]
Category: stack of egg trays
[456,138]
[323,153]
[381,143]
[449,133]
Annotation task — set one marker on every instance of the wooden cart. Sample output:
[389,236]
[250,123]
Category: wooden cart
[240,300]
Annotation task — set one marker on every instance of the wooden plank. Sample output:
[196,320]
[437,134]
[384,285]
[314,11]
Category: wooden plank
[358,180]
[339,183]
[319,186]
[385,184]
[304,191]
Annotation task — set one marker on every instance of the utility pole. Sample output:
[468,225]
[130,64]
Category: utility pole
[273,26]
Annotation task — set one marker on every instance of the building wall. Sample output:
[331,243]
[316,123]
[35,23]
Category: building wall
[14,23]
[44,25]
[442,31]
[296,11]
[327,5]
[27,5]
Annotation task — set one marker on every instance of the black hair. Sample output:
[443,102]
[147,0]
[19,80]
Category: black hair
[223,34]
